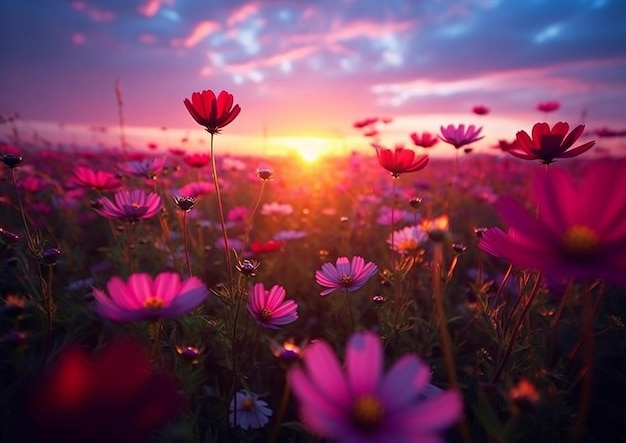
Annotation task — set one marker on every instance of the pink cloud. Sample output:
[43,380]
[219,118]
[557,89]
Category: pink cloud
[78,38]
[94,13]
[147,38]
[202,30]
[150,7]
[242,13]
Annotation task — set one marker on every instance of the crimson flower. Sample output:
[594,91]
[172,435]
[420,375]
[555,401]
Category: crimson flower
[211,112]
[480,110]
[426,140]
[113,396]
[197,160]
[259,247]
[399,160]
[269,307]
[580,231]
[549,106]
[459,136]
[548,144]
[365,122]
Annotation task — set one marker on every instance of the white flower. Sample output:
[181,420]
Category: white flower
[251,412]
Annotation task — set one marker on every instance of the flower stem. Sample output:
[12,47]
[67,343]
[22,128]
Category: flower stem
[281,411]
[516,328]
[251,218]
[186,244]
[220,208]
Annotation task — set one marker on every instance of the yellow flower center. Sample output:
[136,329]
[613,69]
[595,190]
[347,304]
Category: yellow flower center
[246,404]
[580,240]
[346,280]
[153,303]
[367,413]
[265,314]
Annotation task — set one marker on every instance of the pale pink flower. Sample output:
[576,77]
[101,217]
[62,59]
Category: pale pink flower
[346,274]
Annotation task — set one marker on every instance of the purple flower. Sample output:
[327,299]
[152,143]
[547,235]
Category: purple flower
[459,136]
[351,276]
[362,403]
[269,308]
[131,206]
[580,231]
[143,298]
[251,412]
[144,168]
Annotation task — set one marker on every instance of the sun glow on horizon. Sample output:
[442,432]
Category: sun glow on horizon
[308,149]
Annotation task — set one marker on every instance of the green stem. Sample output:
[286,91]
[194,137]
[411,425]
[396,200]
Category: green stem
[186,244]
[220,208]
[251,218]
[281,411]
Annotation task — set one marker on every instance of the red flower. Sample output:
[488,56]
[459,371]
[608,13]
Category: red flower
[480,110]
[548,144]
[365,122]
[427,140]
[197,160]
[210,112]
[548,106]
[112,397]
[400,160]
[258,247]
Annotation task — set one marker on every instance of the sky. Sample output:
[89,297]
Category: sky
[304,71]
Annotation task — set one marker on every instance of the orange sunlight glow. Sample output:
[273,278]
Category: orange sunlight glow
[308,149]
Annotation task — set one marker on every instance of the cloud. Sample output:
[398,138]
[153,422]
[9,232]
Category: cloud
[199,33]
[94,13]
[151,7]
[242,13]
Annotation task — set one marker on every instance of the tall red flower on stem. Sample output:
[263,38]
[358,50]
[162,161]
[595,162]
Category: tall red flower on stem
[548,144]
[400,160]
[212,112]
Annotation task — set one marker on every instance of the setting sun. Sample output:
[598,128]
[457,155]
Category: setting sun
[308,149]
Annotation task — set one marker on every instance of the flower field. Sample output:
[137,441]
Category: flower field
[167,296]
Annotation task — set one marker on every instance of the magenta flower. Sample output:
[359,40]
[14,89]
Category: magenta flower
[426,140]
[363,404]
[350,276]
[580,232]
[459,136]
[98,180]
[130,206]
[143,298]
[269,308]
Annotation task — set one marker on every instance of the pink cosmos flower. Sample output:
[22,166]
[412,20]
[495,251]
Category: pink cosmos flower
[365,405]
[459,136]
[269,308]
[400,160]
[197,189]
[197,160]
[348,275]
[142,298]
[131,206]
[98,180]
[548,144]
[580,232]
[426,140]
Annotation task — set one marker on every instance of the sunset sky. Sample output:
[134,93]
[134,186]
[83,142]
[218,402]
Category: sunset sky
[304,71]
